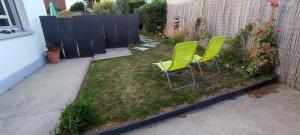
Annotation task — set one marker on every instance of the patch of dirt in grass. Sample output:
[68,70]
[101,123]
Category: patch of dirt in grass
[258,93]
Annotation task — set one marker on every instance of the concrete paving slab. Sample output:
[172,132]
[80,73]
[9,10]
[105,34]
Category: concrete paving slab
[155,43]
[114,53]
[3,131]
[41,97]
[141,48]
[148,45]
[42,124]
[273,114]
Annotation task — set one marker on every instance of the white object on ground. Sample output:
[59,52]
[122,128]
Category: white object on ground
[149,45]
[141,48]
[155,43]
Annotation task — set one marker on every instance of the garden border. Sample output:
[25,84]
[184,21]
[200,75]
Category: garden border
[179,111]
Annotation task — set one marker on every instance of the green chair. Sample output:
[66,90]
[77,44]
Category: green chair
[214,47]
[183,56]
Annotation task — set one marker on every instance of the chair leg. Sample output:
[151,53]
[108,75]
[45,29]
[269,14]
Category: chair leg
[192,84]
[194,80]
[201,71]
[219,70]
[169,81]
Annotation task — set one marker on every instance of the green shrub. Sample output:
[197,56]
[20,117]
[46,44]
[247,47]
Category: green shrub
[236,56]
[77,118]
[63,14]
[153,15]
[105,8]
[178,36]
[78,6]
[130,5]
[90,3]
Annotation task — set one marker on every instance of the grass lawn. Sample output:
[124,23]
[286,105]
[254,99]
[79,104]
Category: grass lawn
[125,89]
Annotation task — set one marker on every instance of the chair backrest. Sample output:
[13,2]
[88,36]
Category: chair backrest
[214,47]
[183,55]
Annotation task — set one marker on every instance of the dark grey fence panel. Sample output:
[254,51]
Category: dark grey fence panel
[50,27]
[96,31]
[84,36]
[133,29]
[121,23]
[111,40]
[66,37]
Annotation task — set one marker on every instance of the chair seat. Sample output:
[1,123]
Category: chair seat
[197,58]
[164,66]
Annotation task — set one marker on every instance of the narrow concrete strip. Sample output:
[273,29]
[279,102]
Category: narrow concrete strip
[113,53]
[33,106]
[273,114]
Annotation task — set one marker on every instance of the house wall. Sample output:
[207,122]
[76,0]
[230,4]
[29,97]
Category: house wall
[20,56]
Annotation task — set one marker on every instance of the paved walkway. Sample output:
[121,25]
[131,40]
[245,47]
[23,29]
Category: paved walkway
[33,106]
[113,53]
[273,114]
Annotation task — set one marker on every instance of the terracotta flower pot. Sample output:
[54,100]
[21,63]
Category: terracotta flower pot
[53,56]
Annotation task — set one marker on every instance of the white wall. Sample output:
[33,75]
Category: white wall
[21,52]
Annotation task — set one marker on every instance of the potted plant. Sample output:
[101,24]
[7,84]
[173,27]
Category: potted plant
[53,53]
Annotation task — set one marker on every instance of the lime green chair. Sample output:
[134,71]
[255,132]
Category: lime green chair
[183,56]
[214,47]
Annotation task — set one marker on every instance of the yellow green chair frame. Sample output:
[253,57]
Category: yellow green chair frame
[214,47]
[183,55]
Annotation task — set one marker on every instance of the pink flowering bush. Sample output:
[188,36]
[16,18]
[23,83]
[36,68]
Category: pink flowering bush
[263,55]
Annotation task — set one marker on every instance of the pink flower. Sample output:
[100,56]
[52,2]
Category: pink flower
[259,32]
[268,48]
[273,4]
[278,30]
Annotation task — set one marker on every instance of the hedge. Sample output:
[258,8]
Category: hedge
[131,5]
[78,6]
[153,15]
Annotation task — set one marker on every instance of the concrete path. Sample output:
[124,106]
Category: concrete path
[113,53]
[33,106]
[273,114]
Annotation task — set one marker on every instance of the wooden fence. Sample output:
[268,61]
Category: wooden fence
[85,36]
[227,17]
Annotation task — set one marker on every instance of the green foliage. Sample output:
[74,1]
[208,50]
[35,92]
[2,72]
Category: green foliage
[52,47]
[78,6]
[105,8]
[153,15]
[235,56]
[130,5]
[90,3]
[201,30]
[261,59]
[178,36]
[64,14]
[263,55]
[77,118]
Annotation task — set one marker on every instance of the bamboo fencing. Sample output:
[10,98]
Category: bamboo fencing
[227,17]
